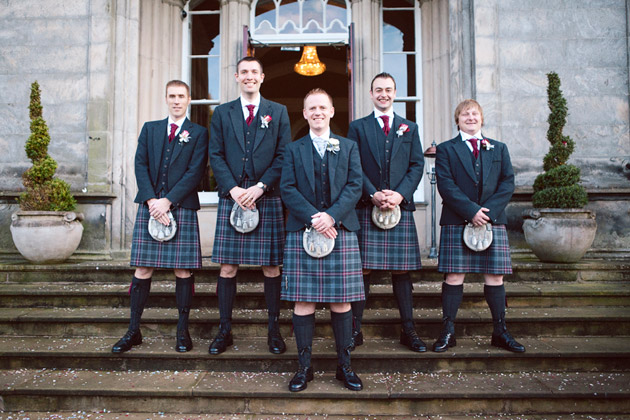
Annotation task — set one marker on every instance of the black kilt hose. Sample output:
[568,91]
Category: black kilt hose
[183,251]
[335,278]
[392,249]
[456,257]
[262,246]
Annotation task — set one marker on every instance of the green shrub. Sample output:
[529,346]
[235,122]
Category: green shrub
[559,186]
[43,191]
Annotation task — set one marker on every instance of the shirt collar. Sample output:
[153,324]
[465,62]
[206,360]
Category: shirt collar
[178,122]
[466,136]
[325,136]
[390,114]
[255,102]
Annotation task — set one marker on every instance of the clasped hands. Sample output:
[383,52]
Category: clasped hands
[324,224]
[481,218]
[386,199]
[159,208]
[246,198]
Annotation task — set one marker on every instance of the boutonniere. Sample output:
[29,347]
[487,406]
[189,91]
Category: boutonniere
[184,137]
[402,128]
[486,144]
[333,145]
[265,120]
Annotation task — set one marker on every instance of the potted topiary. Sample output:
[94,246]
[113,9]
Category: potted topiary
[45,229]
[559,229]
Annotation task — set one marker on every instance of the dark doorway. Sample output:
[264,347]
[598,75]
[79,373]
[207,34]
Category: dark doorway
[285,86]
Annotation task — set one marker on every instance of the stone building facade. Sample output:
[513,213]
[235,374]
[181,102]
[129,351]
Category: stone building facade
[103,64]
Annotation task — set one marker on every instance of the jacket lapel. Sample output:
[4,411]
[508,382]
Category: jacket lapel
[333,158]
[236,115]
[186,126]
[463,152]
[307,160]
[158,138]
[397,140]
[371,127]
[263,109]
[486,161]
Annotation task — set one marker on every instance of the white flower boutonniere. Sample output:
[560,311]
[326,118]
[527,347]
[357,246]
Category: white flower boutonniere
[333,145]
[265,120]
[486,144]
[184,137]
[402,128]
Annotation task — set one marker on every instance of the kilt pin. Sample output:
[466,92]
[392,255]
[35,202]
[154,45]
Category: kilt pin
[170,162]
[311,183]
[247,152]
[392,159]
[469,178]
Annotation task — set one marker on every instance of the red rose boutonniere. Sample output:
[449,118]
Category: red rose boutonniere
[184,137]
[402,128]
[486,144]
[265,120]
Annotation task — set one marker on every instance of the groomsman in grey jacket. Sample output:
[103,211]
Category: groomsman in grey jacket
[393,163]
[247,137]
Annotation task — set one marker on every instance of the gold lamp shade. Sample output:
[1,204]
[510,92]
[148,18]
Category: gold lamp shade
[309,64]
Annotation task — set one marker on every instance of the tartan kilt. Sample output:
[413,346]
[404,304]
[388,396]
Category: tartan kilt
[456,257]
[262,246]
[393,249]
[183,251]
[335,278]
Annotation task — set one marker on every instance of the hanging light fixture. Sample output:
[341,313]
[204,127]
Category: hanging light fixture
[309,64]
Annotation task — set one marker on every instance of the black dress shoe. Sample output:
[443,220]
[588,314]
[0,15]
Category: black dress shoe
[507,342]
[221,342]
[349,378]
[127,341]
[184,342]
[357,339]
[301,379]
[276,343]
[446,338]
[412,341]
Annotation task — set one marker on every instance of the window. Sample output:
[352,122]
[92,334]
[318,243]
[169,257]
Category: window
[401,57]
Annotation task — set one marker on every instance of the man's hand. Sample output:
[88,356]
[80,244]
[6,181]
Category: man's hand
[324,224]
[379,200]
[481,218]
[392,198]
[158,208]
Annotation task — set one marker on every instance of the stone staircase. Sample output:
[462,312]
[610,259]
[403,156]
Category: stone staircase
[58,323]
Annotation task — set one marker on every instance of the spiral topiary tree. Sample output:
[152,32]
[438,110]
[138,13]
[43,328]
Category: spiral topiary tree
[43,192]
[558,186]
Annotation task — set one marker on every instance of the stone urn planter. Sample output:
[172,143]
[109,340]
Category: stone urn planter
[46,237]
[559,235]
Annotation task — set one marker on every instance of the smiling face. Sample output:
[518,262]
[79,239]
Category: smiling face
[383,93]
[470,120]
[249,77]
[318,111]
[177,99]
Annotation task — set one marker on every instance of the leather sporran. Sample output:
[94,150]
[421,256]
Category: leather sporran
[162,233]
[385,219]
[316,244]
[478,238]
[244,221]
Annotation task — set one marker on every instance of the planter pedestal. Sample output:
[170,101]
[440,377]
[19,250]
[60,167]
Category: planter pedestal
[46,237]
[559,235]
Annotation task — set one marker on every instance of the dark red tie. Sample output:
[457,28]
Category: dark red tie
[473,141]
[385,124]
[250,117]
[173,130]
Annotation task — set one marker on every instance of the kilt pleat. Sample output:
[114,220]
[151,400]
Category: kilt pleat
[335,278]
[393,249]
[262,246]
[456,257]
[183,251]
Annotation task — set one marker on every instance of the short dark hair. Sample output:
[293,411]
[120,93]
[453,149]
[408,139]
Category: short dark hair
[382,75]
[249,59]
[177,83]
[317,91]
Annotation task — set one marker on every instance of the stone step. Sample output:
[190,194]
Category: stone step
[384,394]
[557,354]
[100,415]
[526,269]
[250,295]
[377,323]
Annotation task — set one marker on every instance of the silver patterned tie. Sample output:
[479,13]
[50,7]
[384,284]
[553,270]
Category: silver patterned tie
[320,145]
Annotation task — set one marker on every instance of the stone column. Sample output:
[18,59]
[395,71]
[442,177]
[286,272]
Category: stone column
[366,15]
[234,15]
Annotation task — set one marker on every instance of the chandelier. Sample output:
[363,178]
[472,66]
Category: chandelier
[309,64]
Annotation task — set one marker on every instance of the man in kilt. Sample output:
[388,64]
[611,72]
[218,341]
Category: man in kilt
[476,181]
[247,137]
[170,162]
[393,163]
[320,185]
